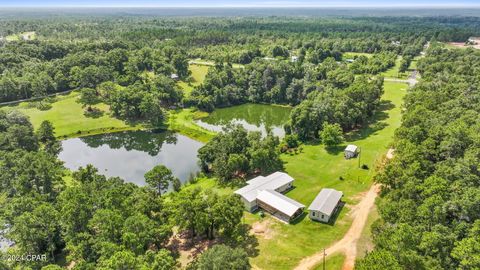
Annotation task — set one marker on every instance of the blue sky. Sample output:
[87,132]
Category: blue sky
[240,3]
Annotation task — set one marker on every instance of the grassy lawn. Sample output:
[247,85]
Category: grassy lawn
[198,74]
[314,169]
[365,242]
[352,55]
[394,72]
[17,37]
[69,120]
[334,262]
[183,122]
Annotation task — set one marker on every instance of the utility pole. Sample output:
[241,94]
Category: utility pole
[359,156]
[324,255]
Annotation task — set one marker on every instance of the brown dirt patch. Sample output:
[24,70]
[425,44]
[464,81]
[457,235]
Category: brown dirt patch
[263,229]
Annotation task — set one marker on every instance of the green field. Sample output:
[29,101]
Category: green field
[352,55]
[198,75]
[394,71]
[68,117]
[17,37]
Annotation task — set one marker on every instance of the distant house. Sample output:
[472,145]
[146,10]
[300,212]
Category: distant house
[351,151]
[174,76]
[325,204]
[349,60]
[294,58]
[277,181]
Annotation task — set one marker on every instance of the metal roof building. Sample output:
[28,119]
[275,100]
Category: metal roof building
[324,205]
[265,192]
[274,181]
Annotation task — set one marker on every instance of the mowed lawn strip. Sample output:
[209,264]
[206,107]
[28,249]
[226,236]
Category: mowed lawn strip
[314,169]
[68,118]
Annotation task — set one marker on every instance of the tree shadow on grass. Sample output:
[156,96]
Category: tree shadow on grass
[374,124]
[335,149]
[299,219]
[94,113]
[247,242]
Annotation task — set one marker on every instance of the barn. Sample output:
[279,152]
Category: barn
[325,204]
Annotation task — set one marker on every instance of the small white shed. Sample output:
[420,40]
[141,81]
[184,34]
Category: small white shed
[351,151]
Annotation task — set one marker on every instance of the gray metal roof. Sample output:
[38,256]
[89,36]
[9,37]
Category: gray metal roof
[326,201]
[351,148]
[259,183]
[279,201]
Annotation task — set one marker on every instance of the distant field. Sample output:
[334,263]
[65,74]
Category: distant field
[352,55]
[26,35]
[394,72]
[68,118]
[198,74]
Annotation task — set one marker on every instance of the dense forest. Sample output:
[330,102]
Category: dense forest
[430,199]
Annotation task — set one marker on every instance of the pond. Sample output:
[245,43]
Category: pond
[129,155]
[253,117]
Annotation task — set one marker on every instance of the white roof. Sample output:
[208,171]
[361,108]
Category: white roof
[279,201]
[351,148]
[259,183]
[326,201]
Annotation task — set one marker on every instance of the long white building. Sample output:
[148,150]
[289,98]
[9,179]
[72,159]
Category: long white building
[265,192]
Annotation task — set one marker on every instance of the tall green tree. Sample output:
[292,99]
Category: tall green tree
[331,134]
[159,178]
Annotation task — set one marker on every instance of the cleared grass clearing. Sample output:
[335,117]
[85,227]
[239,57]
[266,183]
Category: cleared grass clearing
[316,168]
[352,55]
[198,74]
[394,72]
[24,35]
[69,119]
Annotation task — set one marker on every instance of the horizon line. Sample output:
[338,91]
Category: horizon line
[250,6]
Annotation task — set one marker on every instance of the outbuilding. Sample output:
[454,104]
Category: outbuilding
[351,151]
[174,76]
[279,205]
[325,204]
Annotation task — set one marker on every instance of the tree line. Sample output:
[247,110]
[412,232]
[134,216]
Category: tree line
[430,198]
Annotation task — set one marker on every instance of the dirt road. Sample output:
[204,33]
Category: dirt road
[348,244]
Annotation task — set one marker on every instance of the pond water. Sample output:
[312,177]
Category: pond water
[253,117]
[129,155]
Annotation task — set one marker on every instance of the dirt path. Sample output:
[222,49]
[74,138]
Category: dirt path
[348,244]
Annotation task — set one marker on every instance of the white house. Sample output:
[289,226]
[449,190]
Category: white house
[324,205]
[278,181]
[174,76]
[294,58]
[351,151]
